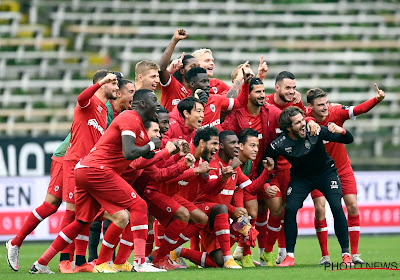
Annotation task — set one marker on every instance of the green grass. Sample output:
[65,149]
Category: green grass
[382,248]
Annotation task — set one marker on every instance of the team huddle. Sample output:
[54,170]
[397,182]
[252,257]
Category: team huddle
[213,165]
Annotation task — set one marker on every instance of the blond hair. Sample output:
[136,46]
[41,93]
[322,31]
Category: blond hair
[236,70]
[199,53]
[144,66]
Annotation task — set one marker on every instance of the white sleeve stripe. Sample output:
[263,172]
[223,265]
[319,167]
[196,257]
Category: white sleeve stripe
[351,113]
[245,184]
[169,81]
[128,133]
[82,107]
[231,103]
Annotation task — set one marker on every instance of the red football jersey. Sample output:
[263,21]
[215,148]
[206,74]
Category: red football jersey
[218,87]
[173,92]
[88,125]
[223,193]
[108,150]
[337,114]
[270,100]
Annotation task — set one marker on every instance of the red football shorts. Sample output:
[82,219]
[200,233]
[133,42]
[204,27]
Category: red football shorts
[97,187]
[281,179]
[69,181]
[348,181]
[55,187]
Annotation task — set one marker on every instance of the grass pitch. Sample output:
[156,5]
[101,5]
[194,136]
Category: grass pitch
[379,248]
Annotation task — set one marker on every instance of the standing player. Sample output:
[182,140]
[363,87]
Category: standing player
[311,168]
[89,123]
[325,113]
[175,87]
[98,179]
[50,205]
[214,104]
[285,95]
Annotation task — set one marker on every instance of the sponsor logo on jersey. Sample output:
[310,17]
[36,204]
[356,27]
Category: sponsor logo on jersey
[289,191]
[334,185]
[215,89]
[227,192]
[307,144]
[288,150]
[175,101]
[94,123]
[183,89]
[214,123]
[212,107]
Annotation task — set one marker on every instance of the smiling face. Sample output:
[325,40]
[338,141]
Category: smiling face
[257,95]
[210,148]
[286,89]
[152,106]
[250,148]
[126,93]
[206,61]
[230,146]
[150,80]
[298,128]
[201,81]
[154,130]
[110,90]
[190,63]
[194,119]
[163,120]
[319,107]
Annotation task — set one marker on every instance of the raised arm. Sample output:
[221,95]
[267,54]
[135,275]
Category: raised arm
[84,96]
[179,34]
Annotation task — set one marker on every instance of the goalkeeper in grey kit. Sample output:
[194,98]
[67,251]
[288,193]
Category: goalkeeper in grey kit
[312,168]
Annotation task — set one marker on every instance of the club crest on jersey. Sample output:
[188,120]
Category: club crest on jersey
[100,109]
[289,191]
[233,176]
[168,209]
[334,185]
[56,188]
[215,89]
[133,194]
[70,195]
[345,107]
[307,144]
[288,150]
[212,107]
[175,101]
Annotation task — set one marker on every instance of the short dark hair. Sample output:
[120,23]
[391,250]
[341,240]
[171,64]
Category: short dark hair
[205,134]
[162,110]
[225,133]
[178,74]
[141,94]
[284,118]
[100,74]
[255,81]
[284,75]
[124,82]
[244,134]
[147,124]
[188,104]
[192,73]
[315,93]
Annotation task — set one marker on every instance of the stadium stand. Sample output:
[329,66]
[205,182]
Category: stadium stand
[50,49]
